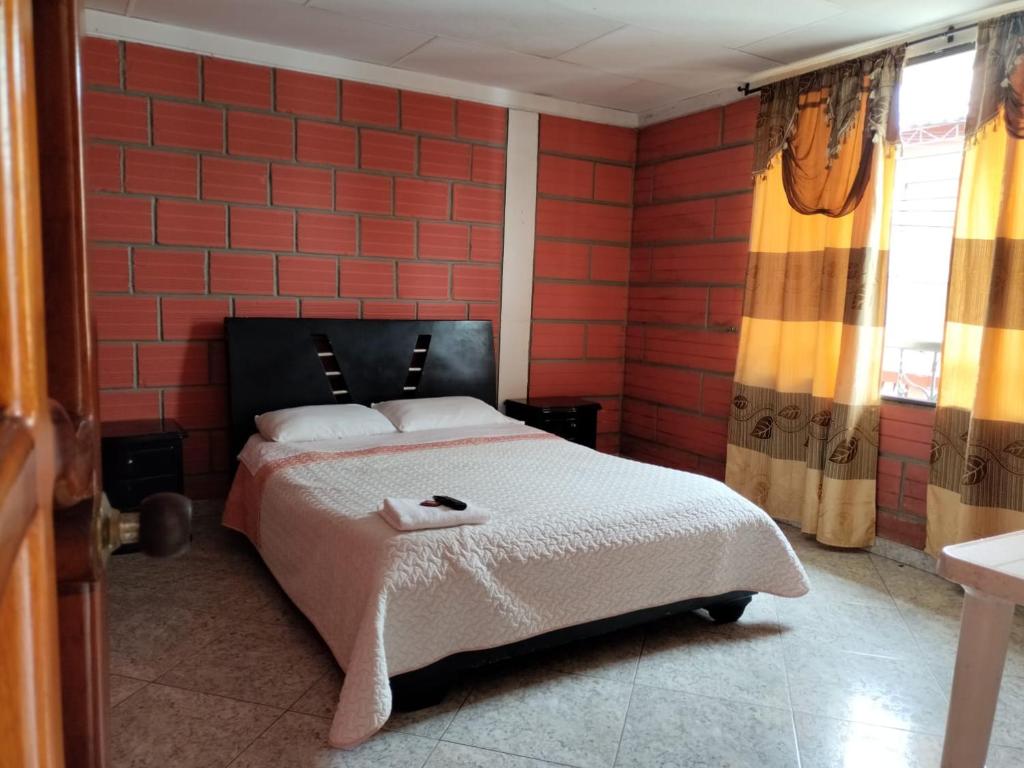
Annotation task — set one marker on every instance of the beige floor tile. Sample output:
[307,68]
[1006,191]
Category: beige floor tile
[568,719]
[123,687]
[669,728]
[322,698]
[262,663]
[828,743]
[301,741]
[159,727]
[149,637]
[448,755]
[844,576]
[236,595]
[1004,757]
[873,690]
[736,662]
[874,628]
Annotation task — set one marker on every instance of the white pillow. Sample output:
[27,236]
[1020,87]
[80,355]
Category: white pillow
[417,414]
[321,422]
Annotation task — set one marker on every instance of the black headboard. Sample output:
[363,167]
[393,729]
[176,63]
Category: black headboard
[281,363]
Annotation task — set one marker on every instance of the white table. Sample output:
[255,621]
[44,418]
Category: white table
[992,574]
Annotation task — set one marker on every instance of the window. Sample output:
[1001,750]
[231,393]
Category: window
[933,110]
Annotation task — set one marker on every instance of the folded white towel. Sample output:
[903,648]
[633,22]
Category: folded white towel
[410,515]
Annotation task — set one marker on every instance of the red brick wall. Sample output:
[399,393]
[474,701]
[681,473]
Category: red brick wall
[225,189]
[691,224]
[581,265]
[904,447]
[690,233]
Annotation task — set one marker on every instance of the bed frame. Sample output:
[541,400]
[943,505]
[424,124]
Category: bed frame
[284,362]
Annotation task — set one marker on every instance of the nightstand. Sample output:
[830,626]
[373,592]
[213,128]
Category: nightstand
[568,417]
[140,458]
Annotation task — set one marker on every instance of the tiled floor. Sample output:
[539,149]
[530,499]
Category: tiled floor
[213,667]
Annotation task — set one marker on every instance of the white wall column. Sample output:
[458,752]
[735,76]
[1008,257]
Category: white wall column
[517,258]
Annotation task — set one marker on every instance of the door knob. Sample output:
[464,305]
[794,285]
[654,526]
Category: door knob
[162,527]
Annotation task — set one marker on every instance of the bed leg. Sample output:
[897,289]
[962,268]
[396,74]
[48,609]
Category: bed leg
[728,612]
[416,690]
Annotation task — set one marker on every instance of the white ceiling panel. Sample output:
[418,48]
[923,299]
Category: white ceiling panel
[642,96]
[642,56]
[111,6]
[861,20]
[286,23]
[728,23]
[915,12]
[658,57]
[540,27]
[509,69]
[820,37]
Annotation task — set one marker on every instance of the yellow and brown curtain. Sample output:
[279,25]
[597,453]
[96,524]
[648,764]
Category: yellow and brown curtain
[803,431]
[976,486]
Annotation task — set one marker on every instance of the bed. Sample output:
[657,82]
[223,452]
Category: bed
[581,543]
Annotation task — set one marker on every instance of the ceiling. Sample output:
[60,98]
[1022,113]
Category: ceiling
[639,56]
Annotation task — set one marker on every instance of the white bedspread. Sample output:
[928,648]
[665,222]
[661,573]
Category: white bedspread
[576,536]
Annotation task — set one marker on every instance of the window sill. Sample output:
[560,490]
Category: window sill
[907,401]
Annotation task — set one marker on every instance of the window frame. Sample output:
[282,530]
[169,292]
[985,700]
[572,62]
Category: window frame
[948,47]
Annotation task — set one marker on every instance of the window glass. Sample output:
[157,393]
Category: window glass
[933,110]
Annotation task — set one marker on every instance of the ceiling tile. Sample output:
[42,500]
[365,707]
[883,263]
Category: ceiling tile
[865,20]
[729,23]
[111,6]
[637,55]
[819,38]
[284,23]
[661,58]
[508,69]
[540,27]
[642,96]
[907,15]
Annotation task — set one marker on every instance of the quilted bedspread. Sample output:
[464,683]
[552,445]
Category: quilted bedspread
[576,536]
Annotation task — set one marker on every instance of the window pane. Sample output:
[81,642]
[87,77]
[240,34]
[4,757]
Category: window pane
[933,108]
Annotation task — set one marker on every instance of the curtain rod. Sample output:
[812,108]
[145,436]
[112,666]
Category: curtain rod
[949,34]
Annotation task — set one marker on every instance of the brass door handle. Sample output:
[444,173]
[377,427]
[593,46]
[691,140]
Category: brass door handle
[162,527]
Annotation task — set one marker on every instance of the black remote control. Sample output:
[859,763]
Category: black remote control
[448,501]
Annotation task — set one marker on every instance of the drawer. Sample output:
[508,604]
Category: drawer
[141,487]
[567,428]
[147,459]
[572,419]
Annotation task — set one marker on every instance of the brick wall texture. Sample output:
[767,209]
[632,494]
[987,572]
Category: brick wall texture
[692,197]
[220,189]
[581,265]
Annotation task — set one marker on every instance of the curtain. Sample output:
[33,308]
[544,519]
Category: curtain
[976,484]
[803,428]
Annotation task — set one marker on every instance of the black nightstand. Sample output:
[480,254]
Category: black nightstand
[567,417]
[140,458]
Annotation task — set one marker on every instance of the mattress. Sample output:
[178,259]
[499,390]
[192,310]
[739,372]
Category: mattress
[575,536]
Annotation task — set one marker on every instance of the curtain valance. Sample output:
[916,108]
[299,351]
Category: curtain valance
[825,124]
[999,75]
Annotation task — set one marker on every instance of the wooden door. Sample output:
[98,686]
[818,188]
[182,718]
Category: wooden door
[71,386]
[56,530]
[53,678]
[30,696]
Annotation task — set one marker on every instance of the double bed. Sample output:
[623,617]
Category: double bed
[579,542]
